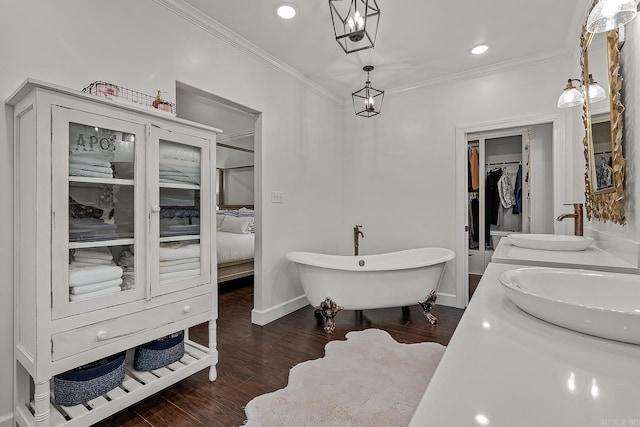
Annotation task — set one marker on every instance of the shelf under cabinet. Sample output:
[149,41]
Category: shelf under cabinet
[136,386]
[100,243]
[179,186]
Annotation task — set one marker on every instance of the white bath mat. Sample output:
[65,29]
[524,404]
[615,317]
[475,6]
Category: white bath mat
[368,380]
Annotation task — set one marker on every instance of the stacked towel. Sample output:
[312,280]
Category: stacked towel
[183,172]
[93,273]
[179,164]
[178,260]
[85,165]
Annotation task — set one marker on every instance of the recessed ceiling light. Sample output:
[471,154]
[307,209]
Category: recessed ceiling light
[480,49]
[286,10]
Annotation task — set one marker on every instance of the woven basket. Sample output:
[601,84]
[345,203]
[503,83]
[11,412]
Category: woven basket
[159,353]
[89,381]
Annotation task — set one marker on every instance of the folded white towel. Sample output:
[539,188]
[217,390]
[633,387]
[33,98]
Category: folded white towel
[79,276]
[169,151]
[90,168]
[178,262]
[94,261]
[88,159]
[172,252]
[86,262]
[81,172]
[179,274]
[180,267]
[107,291]
[77,290]
[100,253]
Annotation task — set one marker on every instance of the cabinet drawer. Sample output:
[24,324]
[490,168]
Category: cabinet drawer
[75,341]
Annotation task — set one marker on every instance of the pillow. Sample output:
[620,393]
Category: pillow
[238,225]
[229,212]
[248,213]
[219,219]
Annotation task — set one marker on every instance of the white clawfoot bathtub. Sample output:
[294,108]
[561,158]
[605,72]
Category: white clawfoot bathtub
[394,279]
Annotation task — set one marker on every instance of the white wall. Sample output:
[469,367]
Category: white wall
[400,166]
[144,46]
[542,178]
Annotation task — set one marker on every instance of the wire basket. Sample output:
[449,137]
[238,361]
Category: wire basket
[109,90]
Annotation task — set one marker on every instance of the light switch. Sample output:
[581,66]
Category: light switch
[277,197]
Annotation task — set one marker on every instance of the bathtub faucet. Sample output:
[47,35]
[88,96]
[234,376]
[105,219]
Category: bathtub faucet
[356,238]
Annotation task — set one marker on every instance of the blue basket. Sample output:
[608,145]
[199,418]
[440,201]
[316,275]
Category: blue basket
[89,381]
[159,353]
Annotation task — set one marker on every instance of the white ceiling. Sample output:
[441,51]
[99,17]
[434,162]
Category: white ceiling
[418,41]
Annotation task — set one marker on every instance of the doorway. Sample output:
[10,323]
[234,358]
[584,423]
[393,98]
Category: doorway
[536,143]
[238,183]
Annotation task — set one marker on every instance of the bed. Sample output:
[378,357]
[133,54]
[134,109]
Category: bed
[235,247]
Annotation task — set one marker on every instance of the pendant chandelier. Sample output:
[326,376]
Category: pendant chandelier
[367,102]
[355,23]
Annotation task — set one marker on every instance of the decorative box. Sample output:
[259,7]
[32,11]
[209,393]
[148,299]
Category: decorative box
[89,381]
[158,353]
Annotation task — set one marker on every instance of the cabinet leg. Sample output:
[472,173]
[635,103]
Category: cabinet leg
[213,372]
[41,397]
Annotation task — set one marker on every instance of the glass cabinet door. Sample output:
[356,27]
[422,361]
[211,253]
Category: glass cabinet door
[180,211]
[97,202]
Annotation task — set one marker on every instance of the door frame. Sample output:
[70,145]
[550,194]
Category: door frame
[561,154]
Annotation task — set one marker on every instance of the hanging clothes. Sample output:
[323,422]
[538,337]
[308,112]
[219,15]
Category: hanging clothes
[492,202]
[517,207]
[475,221]
[505,191]
[474,169]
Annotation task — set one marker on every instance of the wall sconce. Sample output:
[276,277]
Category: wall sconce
[596,92]
[354,25]
[367,98]
[572,96]
[611,14]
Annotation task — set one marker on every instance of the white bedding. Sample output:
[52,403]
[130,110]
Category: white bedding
[233,246]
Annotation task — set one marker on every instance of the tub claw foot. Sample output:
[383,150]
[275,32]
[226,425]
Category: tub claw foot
[328,308]
[427,305]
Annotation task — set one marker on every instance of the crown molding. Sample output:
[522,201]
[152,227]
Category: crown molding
[548,56]
[205,22]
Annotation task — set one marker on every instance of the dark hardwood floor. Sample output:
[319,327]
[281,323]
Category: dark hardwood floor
[254,360]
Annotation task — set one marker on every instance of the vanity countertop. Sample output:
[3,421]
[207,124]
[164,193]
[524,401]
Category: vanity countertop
[592,258]
[505,368]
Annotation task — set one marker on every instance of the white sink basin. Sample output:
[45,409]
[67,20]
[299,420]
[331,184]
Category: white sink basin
[606,305]
[550,242]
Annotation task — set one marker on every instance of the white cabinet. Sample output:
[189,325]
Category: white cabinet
[114,245]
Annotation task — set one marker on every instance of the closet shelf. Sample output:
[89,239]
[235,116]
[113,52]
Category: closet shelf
[135,387]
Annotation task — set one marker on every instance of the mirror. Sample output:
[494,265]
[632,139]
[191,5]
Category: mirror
[604,175]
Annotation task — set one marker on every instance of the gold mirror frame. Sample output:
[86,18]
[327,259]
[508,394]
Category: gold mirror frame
[606,204]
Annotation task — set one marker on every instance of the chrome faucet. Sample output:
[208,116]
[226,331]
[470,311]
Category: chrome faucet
[577,218]
[356,238]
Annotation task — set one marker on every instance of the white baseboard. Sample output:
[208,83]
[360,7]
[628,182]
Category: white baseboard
[449,300]
[6,420]
[262,317]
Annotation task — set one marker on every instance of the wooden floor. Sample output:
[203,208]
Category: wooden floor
[254,360]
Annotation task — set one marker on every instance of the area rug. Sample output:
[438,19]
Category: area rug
[368,380]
